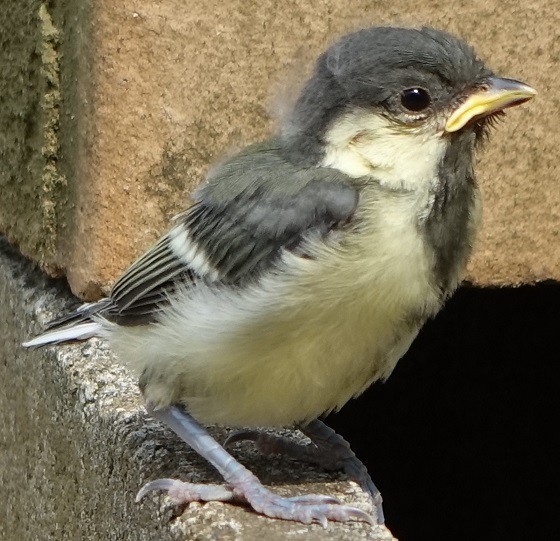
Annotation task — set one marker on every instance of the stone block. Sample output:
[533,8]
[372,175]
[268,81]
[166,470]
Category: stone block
[111,112]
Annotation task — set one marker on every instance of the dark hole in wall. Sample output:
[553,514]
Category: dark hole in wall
[460,438]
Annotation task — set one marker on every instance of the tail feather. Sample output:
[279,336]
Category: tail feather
[77,325]
[81,314]
[81,331]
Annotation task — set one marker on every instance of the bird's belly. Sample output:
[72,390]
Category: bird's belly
[300,344]
[284,369]
[298,370]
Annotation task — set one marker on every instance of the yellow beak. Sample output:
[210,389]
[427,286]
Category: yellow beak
[496,95]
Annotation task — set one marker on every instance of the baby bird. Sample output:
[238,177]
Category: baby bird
[309,262]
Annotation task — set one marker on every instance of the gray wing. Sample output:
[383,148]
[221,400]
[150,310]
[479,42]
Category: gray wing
[252,208]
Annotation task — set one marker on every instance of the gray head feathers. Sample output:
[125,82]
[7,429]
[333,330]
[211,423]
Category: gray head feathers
[368,69]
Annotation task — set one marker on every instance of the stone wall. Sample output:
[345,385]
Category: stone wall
[111,113]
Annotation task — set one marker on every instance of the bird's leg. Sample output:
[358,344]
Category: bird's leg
[327,449]
[241,485]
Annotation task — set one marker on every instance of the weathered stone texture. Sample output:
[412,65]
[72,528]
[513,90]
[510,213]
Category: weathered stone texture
[29,88]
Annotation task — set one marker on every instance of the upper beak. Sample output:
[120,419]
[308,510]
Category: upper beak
[495,95]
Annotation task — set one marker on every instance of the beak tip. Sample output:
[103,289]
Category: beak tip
[529,91]
[497,95]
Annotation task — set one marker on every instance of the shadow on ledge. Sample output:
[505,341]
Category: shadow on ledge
[459,439]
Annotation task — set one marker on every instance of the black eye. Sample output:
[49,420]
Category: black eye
[415,99]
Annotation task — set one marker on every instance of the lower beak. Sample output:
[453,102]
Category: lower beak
[496,95]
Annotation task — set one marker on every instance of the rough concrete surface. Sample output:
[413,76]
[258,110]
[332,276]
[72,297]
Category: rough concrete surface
[75,445]
[111,112]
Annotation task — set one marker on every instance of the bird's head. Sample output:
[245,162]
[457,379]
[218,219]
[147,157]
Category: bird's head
[389,101]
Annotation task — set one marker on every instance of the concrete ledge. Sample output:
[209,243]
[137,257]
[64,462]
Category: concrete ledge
[75,444]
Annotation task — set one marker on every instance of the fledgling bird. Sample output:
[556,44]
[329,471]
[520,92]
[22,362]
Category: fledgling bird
[309,262]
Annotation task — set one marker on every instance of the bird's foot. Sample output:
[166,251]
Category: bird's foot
[327,449]
[248,490]
[241,484]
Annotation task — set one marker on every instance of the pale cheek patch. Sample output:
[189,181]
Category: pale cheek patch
[363,143]
[192,255]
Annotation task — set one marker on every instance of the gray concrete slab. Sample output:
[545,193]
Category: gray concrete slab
[76,444]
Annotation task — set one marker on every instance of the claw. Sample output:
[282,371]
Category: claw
[347,512]
[340,513]
[315,499]
[378,505]
[158,484]
[241,435]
